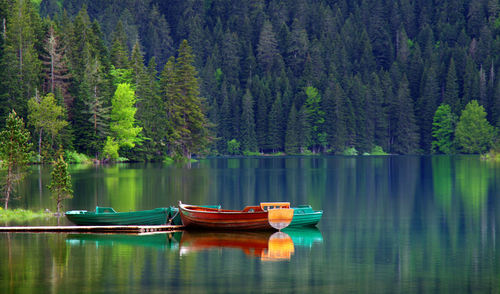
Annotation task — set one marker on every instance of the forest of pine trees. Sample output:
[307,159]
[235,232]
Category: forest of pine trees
[235,76]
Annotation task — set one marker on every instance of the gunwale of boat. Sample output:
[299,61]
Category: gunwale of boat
[196,208]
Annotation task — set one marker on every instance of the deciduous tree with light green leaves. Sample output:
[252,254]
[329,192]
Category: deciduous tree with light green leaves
[122,125]
[60,184]
[15,153]
[474,134]
[443,127]
[45,115]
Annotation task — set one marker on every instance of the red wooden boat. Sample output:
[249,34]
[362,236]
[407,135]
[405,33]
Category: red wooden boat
[267,216]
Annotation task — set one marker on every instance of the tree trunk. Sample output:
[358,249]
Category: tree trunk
[4,27]
[40,144]
[8,185]
[58,204]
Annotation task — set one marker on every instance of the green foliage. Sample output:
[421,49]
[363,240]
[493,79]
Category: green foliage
[316,118]
[233,147]
[251,153]
[123,117]
[377,150]
[75,157]
[443,128]
[110,150]
[15,153]
[350,151]
[60,184]
[122,76]
[45,115]
[473,133]
[218,75]
[168,160]
[355,78]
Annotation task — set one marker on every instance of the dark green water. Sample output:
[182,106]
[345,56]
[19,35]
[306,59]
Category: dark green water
[391,224]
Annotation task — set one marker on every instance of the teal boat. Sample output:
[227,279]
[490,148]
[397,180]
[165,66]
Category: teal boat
[107,216]
[305,216]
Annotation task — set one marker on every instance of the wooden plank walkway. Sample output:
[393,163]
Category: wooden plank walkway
[93,229]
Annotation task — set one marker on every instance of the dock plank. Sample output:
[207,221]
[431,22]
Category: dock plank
[94,229]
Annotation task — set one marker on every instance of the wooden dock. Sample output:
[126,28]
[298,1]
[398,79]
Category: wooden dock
[93,229]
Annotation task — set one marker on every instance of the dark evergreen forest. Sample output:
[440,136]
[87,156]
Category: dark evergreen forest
[294,76]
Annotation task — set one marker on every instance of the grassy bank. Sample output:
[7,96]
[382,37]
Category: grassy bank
[20,215]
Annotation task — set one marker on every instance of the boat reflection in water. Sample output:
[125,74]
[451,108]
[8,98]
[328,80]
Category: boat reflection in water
[266,245]
[304,236]
[160,241]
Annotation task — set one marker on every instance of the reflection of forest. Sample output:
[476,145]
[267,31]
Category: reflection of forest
[390,224]
[427,222]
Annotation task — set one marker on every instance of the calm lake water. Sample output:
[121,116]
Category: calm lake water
[391,224]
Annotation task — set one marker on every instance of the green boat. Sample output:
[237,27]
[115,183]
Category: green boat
[107,216]
[305,216]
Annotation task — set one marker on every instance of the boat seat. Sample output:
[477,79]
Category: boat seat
[271,205]
[251,209]
[104,210]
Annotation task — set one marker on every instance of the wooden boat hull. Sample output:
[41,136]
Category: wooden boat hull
[199,217]
[156,216]
[305,216]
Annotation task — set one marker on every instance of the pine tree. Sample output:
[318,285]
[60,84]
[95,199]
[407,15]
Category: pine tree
[496,105]
[15,153]
[150,114]
[158,41]
[189,121]
[379,114]
[96,109]
[267,49]
[276,128]
[225,129]
[262,108]
[21,68]
[247,130]
[60,184]
[55,67]
[292,132]
[298,48]
[404,134]
[426,107]
[119,50]
[334,117]
[303,129]
[451,90]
